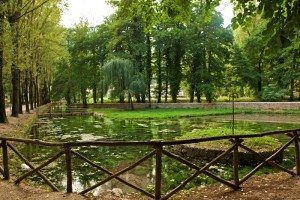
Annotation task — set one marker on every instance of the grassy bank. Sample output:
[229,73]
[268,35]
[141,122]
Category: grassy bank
[161,113]
[259,144]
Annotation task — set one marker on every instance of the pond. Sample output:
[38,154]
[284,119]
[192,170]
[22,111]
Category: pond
[85,128]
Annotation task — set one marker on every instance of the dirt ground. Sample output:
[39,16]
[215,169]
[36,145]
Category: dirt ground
[268,187]
[280,186]
[9,191]
[16,125]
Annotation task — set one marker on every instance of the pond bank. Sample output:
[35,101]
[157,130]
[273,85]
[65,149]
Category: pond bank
[243,105]
[18,126]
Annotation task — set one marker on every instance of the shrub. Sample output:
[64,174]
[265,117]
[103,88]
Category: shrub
[272,92]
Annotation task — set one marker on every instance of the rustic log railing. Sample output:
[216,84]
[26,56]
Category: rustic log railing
[159,149]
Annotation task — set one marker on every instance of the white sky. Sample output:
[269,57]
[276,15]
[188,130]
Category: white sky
[95,11]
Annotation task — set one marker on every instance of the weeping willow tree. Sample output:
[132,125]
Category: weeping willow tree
[122,79]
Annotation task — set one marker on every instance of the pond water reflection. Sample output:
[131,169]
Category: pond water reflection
[85,128]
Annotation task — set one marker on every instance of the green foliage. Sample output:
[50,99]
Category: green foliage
[260,144]
[122,78]
[272,92]
[166,113]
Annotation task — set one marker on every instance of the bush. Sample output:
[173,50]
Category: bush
[272,92]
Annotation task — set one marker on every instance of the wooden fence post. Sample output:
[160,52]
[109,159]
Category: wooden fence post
[236,164]
[5,160]
[69,169]
[158,171]
[297,158]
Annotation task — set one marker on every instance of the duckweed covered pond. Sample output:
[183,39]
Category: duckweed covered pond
[85,128]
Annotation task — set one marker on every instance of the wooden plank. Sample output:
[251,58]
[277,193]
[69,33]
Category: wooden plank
[120,172]
[53,187]
[270,162]
[197,173]
[5,160]
[110,173]
[147,143]
[266,161]
[235,164]
[69,169]
[193,166]
[297,154]
[158,172]
[39,167]
[1,170]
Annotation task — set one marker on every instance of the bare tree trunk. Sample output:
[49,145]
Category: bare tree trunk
[31,91]
[3,118]
[37,92]
[21,89]
[15,91]
[168,61]
[149,67]
[159,77]
[26,91]
[83,95]
[101,96]
[94,93]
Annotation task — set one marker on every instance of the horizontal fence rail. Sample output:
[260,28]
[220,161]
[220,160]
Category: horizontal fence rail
[69,150]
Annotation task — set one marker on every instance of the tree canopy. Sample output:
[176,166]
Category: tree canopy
[149,50]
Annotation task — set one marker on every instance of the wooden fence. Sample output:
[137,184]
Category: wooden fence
[159,148]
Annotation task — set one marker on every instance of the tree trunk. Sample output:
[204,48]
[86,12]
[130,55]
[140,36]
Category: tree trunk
[292,87]
[159,77]
[21,102]
[168,62]
[3,118]
[45,94]
[121,99]
[83,95]
[192,92]
[209,92]
[101,95]
[260,72]
[36,93]
[149,68]
[15,72]
[15,91]
[26,91]
[198,95]
[94,93]
[68,97]
[38,98]
[31,90]
[74,97]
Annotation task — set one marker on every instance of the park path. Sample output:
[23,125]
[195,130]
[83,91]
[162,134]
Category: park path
[9,191]
[279,186]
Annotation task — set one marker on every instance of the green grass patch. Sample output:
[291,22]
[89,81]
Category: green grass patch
[258,144]
[161,113]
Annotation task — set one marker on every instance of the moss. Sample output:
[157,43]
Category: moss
[258,144]
[161,113]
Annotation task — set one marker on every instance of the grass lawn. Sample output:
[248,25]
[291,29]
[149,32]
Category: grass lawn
[258,144]
[161,113]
